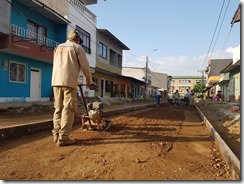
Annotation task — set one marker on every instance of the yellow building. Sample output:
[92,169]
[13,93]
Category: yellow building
[181,83]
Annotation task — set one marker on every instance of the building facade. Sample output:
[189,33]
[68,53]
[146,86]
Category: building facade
[215,66]
[182,83]
[108,70]
[29,32]
[84,21]
[230,79]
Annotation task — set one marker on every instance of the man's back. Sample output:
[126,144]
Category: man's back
[65,65]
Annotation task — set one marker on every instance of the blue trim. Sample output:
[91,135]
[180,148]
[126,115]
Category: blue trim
[15,89]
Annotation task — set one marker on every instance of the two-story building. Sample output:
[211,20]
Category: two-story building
[182,83]
[215,66]
[84,21]
[139,75]
[229,82]
[29,32]
[160,82]
[108,71]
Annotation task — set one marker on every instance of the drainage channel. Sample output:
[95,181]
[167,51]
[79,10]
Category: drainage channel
[230,158]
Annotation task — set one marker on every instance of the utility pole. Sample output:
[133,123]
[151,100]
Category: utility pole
[146,77]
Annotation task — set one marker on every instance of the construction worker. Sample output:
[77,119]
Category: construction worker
[69,60]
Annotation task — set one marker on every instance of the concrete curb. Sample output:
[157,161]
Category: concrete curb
[25,129]
[231,160]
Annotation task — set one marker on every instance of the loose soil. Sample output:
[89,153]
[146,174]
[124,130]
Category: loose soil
[226,122]
[161,143]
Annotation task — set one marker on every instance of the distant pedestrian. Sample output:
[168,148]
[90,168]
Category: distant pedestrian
[176,97]
[187,97]
[192,98]
[158,95]
[218,96]
[69,60]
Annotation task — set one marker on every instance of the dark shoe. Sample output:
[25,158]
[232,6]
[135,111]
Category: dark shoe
[55,138]
[65,142]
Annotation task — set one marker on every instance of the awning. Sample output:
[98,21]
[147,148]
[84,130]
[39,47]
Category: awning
[213,79]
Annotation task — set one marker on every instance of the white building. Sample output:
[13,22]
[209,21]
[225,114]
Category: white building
[83,20]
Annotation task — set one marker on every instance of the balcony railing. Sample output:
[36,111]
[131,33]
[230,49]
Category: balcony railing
[32,37]
[82,8]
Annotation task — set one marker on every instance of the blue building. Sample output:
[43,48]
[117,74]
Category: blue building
[29,32]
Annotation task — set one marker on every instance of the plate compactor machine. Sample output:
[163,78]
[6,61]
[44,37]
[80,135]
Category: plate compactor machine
[94,119]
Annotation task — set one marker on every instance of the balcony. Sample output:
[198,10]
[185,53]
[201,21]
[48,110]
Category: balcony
[23,42]
[78,5]
[27,35]
[224,78]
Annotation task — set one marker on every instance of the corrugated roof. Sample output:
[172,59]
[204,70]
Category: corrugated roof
[217,65]
[237,15]
[89,2]
[112,38]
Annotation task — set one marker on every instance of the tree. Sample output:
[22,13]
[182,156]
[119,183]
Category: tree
[198,88]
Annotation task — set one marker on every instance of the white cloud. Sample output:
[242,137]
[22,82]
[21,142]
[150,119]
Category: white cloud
[178,65]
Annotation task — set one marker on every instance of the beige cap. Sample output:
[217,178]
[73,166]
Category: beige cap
[73,34]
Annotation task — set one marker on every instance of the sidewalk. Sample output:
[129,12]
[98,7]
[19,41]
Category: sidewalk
[23,124]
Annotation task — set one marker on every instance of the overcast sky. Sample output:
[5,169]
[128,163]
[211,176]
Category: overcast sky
[186,33]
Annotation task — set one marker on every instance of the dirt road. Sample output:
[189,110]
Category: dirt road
[161,143]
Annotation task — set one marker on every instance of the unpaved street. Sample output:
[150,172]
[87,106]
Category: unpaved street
[161,143]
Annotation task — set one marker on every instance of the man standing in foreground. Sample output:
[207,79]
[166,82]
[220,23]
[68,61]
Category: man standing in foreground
[69,59]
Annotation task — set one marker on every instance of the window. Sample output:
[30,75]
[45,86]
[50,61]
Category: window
[86,38]
[107,86]
[122,87]
[119,61]
[102,50]
[184,81]
[36,33]
[17,72]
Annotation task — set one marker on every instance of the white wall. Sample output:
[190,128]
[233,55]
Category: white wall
[137,73]
[78,18]
[4,16]
[236,54]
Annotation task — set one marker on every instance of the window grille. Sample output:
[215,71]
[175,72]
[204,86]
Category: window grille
[17,72]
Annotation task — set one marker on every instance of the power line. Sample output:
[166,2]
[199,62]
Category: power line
[134,55]
[226,40]
[220,28]
[214,33]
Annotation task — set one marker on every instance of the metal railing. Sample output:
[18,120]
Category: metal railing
[32,37]
[82,8]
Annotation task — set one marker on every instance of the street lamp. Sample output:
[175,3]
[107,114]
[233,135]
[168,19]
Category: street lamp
[147,60]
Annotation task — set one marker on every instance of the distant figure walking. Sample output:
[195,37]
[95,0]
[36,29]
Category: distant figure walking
[176,97]
[192,98]
[158,95]
[187,97]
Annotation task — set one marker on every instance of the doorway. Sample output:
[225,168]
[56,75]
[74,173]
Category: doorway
[35,84]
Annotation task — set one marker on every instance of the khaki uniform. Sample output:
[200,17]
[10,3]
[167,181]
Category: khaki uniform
[69,59]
